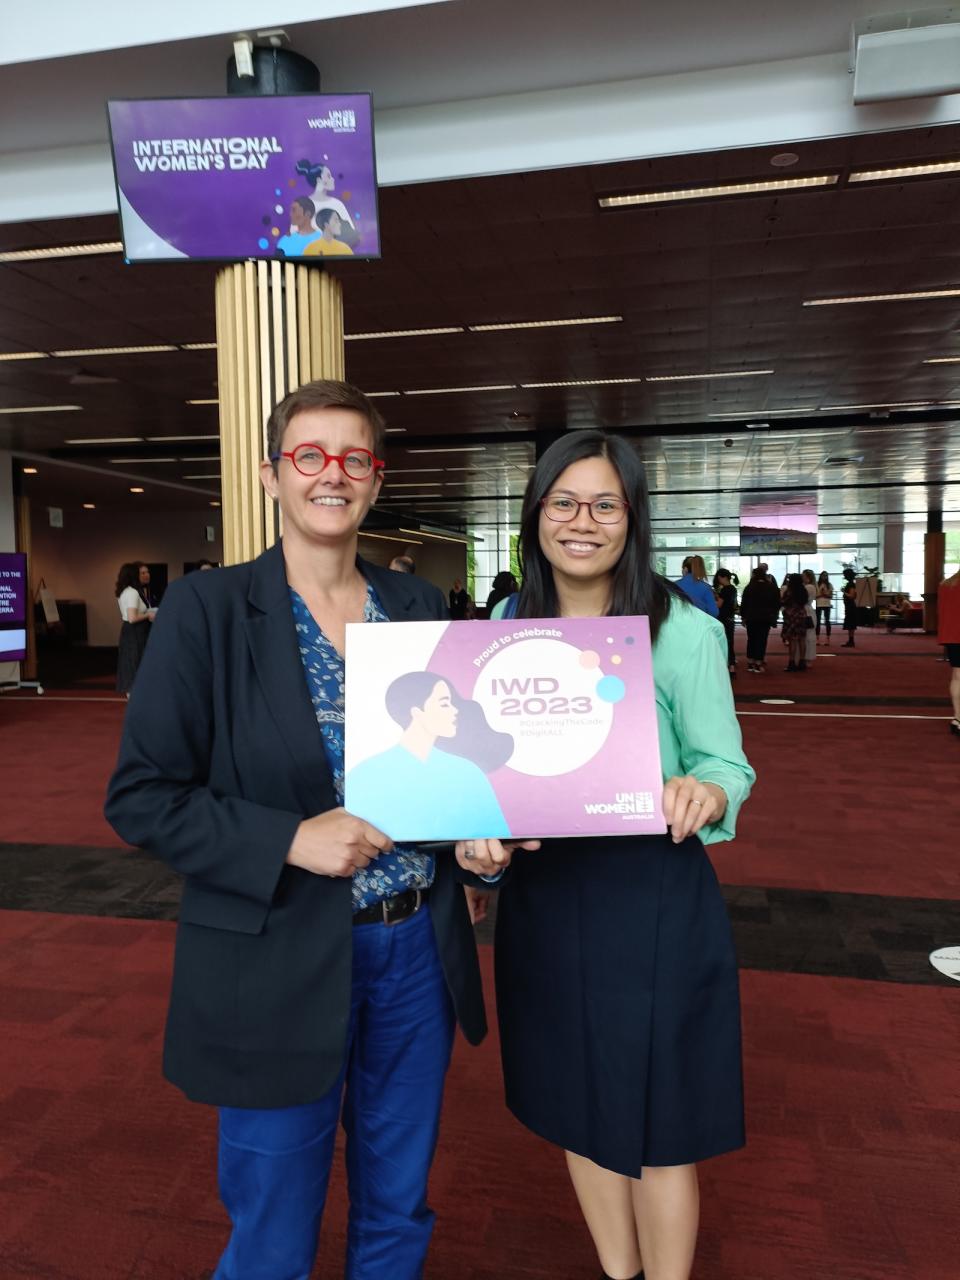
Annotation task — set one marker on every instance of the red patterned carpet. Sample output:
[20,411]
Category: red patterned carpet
[107,1173]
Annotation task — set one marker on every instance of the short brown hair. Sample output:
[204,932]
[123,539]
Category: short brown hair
[323,394]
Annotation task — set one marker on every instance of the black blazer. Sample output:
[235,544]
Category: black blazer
[221,759]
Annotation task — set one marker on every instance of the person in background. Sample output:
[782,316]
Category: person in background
[794,630]
[616,974]
[726,594]
[206,564]
[824,602]
[136,614]
[849,607]
[759,609]
[948,634]
[765,570]
[458,601]
[694,584]
[898,614]
[504,585]
[810,647]
[403,564]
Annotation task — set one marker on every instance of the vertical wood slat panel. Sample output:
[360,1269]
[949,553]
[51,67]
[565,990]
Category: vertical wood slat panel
[279,325]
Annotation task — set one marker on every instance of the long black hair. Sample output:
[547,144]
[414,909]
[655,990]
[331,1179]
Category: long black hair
[636,588]
[475,739]
[796,592]
[129,576]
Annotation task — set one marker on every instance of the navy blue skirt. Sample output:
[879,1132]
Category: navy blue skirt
[618,1001]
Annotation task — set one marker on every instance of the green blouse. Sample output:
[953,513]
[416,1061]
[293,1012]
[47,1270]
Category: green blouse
[697,723]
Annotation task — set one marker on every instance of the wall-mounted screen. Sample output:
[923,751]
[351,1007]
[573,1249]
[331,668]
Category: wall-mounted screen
[778,525]
[244,177]
[13,606]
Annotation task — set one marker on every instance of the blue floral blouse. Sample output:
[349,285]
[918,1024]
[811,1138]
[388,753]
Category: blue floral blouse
[405,867]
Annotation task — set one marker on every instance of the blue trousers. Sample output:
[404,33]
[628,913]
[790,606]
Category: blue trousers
[275,1164]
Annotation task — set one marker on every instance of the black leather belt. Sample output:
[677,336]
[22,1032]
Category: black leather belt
[392,910]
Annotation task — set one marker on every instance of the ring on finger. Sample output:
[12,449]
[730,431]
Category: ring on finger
[468,851]
[697,802]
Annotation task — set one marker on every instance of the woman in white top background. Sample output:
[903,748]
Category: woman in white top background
[136,617]
[810,643]
[824,602]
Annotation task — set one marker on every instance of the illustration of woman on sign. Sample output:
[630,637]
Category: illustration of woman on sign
[319,177]
[433,784]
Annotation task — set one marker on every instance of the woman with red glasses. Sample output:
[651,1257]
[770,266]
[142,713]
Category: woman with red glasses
[617,988]
[319,968]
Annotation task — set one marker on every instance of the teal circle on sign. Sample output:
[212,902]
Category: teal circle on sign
[611,689]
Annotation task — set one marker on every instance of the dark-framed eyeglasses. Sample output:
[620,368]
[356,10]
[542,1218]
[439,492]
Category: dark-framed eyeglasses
[311,459]
[603,510]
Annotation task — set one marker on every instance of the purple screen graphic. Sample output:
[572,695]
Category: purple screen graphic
[236,178]
[13,606]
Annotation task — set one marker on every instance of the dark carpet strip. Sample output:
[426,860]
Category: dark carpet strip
[840,935]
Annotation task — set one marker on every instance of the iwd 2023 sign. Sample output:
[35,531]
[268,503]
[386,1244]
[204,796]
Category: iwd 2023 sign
[246,177]
[524,727]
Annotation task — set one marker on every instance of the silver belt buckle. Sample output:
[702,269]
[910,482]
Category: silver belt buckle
[390,923]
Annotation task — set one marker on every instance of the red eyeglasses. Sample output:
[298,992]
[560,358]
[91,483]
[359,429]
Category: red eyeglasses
[311,459]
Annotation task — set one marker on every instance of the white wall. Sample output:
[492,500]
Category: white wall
[81,560]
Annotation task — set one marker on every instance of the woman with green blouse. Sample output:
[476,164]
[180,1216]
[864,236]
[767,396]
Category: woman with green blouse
[617,984]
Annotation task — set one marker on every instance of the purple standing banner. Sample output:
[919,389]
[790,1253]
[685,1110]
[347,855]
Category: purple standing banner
[523,727]
[13,606]
[246,177]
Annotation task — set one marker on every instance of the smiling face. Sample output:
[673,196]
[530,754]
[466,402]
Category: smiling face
[583,550]
[144,576]
[438,715]
[329,507]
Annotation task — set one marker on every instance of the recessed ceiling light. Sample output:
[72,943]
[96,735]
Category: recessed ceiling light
[403,333]
[721,189]
[392,431]
[580,382]
[385,537]
[215,476]
[764,413]
[214,502]
[376,395]
[114,351]
[23,355]
[42,408]
[181,439]
[698,377]
[916,295]
[889,404]
[89,506]
[63,251]
[106,440]
[460,448]
[122,462]
[442,537]
[449,391]
[198,346]
[135,488]
[943,360]
[213,401]
[29,471]
[905,171]
[544,324]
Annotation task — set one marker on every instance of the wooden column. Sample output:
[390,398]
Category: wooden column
[934,551]
[279,325]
